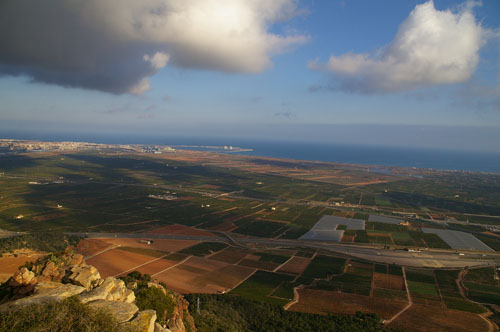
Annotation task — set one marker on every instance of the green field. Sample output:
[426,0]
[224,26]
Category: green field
[260,285]
[463,305]
[267,257]
[204,248]
[447,283]
[357,279]
[422,288]
[323,266]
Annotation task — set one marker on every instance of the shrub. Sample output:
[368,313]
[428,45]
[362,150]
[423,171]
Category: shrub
[154,298]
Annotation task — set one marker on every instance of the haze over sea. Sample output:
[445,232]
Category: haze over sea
[315,151]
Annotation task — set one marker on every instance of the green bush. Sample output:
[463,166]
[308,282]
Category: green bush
[151,297]
[154,298]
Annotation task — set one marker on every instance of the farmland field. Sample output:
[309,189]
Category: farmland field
[115,262]
[296,265]
[384,219]
[260,285]
[201,194]
[230,255]
[200,275]
[204,248]
[388,281]
[438,320]
[323,266]
[158,244]
[323,302]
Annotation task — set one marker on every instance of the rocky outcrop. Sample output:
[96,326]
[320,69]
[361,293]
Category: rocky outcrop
[58,277]
[123,311]
[57,267]
[110,289]
[45,292]
[83,275]
[159,328]
[176,323]
[22,277]
[181,315]
[144,321]
[23,281]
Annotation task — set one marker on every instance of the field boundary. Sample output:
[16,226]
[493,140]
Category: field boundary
[170,267]
[242,281]
[102,251]
[295,298]
[141,265]
[410,301]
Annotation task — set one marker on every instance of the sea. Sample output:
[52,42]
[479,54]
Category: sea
[474,161]
[367,155]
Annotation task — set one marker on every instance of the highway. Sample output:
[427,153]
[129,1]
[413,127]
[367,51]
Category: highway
[424,258]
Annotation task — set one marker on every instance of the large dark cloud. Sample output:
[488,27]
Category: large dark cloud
[115,45]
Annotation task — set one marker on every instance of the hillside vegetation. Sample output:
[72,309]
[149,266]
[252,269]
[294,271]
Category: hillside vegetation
[39,241]
[223,313]
[69,315]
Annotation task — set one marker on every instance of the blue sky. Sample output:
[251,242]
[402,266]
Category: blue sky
[299,69]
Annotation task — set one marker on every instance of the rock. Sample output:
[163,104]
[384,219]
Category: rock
[132,285]
[98,293]
[155,285]
[110,283]
[57,290]
[111,289]
[76,259]
[159,328]
[99,282]
[85,276]
[118,293]
[22,277]
[129,296]
[144,322]
[23,291]
[180,317]
[123,311]
[45,292]
[49,269]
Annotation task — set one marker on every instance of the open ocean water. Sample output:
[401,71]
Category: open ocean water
[376,155]
[342,153]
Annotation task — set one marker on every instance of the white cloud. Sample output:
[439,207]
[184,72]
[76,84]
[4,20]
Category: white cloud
[115,45]
[140,87]
[158,60]
[431,47]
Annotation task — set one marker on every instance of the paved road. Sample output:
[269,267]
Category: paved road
[427,258]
